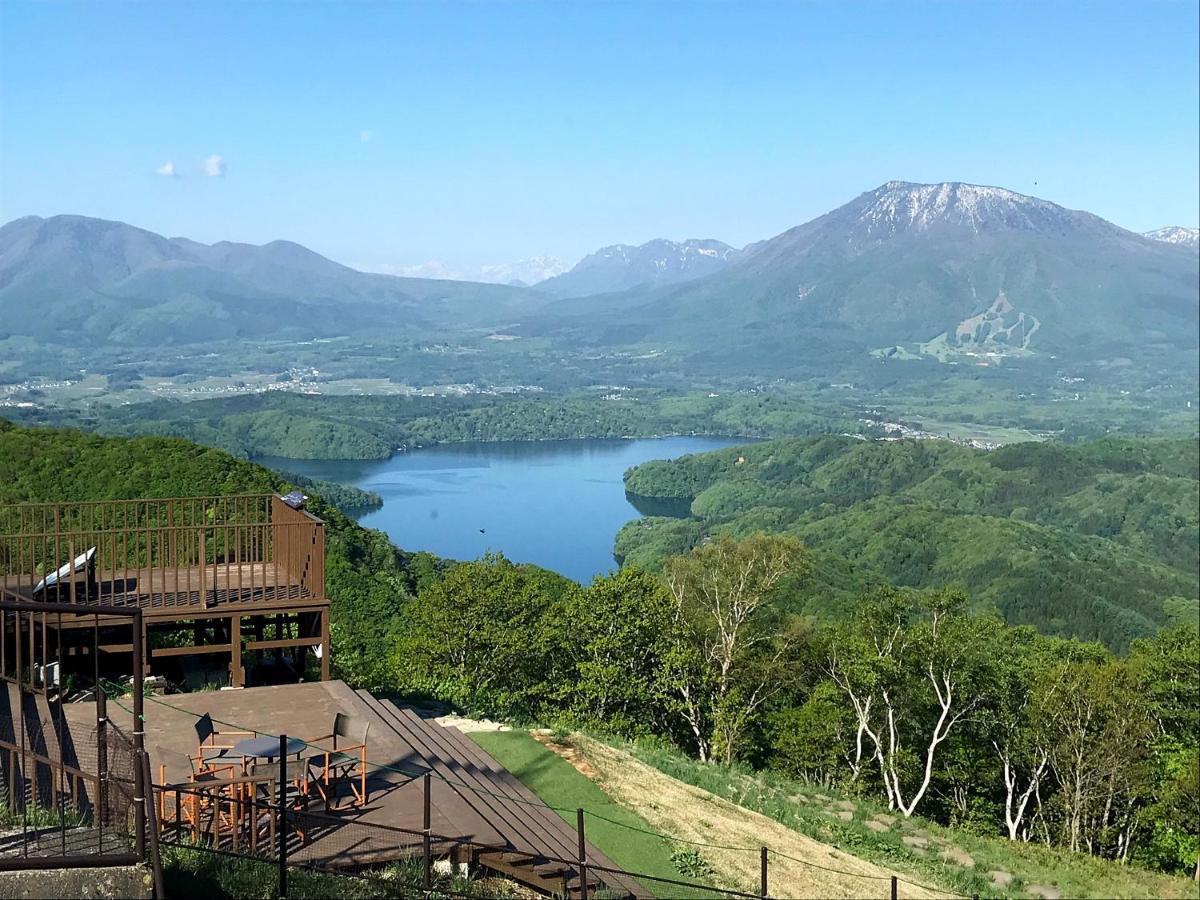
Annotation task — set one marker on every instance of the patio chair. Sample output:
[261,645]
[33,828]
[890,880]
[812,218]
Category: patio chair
[264,794]
[196,789]
[216,745]
[344,763]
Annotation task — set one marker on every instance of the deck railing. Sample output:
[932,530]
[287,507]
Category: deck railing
[169,550]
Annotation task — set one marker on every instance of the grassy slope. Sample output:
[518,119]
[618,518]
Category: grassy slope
[813,811]
[558,783]
[719,836]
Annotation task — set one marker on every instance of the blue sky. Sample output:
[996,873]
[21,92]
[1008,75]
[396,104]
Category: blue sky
[390,134]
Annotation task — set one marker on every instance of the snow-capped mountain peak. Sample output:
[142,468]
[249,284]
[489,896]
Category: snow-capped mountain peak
[1175,234]
[529,271]
[660,261]
[904,206]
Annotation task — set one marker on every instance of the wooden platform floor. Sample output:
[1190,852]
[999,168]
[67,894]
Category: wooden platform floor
[473,797]
[173,592]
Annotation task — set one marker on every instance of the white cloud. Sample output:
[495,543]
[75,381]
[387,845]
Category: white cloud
[214,166]
[167,170]
[366,135]
[434,268]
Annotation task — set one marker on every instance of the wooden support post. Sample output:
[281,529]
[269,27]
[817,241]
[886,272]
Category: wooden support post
[325,644]
[763,880]
[583,884]
[139,737]
[895,888]
[283,822]
[203,553]
[235,651]
[426,826]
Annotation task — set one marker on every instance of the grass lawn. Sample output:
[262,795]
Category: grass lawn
[559,784]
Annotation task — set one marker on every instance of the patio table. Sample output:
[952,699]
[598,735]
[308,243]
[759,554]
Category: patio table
[267,747]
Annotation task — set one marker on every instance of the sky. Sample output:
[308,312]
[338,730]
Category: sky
[385,135]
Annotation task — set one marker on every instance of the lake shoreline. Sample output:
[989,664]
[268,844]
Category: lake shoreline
[557,503]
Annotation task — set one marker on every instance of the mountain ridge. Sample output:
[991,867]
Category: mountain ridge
[66,277]
[619,267]
[1176,234]
[950,271]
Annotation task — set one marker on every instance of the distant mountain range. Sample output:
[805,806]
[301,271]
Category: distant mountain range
[658,262]
[68,279]
[1174,234]
[522,273]
[952,271]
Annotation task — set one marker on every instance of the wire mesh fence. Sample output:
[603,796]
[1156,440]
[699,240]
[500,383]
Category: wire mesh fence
[245,825]
[68,790]
[63,795]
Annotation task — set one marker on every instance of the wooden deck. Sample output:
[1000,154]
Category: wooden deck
[180,593]
[473,798]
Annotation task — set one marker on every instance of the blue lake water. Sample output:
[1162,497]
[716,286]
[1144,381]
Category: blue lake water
[555,503]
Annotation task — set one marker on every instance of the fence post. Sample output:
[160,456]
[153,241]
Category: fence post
[153,823]
[426,825]
[763,880]
[895,888]
[283,822]
[583,882]
[101,758]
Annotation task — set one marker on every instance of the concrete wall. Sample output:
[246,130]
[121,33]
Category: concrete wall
[134,882]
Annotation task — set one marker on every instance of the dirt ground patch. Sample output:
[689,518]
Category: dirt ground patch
[690,814]
[567,752]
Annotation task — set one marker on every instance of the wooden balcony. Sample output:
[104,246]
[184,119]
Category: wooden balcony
[237,561]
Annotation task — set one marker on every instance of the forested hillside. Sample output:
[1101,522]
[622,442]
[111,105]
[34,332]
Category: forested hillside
[1097,540]
[994,729]
[371,427]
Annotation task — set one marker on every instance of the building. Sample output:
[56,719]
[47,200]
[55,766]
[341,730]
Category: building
[231,589]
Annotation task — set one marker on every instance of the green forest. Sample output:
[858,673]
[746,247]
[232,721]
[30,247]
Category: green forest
[923,699]
[371,427]
[1096,540]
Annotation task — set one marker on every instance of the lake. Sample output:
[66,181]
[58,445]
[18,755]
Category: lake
[555,503]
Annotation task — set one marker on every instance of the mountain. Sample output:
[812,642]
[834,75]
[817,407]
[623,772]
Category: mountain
[68,279]
[533,270]
[952,271]
[1174,234]
[522,273]
[1087,539]
[656,262]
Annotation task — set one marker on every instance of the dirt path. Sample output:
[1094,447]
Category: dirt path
[688,813]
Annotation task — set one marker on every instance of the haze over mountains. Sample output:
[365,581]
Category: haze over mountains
[953,272]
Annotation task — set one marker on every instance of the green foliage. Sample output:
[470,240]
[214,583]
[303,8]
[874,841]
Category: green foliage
[367,579]
[810,809]
[1080,540]
[195,873]
[347,498]
[619,637]
[370,427]
[484,637]
[689,863]
[708,657]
